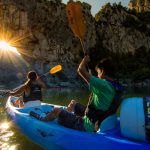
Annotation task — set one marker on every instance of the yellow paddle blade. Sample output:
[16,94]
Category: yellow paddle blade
[55,69]
[76,20]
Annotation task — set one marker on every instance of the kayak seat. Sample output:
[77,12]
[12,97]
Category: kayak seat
[108,123]
[35,103]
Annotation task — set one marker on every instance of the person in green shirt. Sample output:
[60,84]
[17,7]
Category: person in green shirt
[87,118]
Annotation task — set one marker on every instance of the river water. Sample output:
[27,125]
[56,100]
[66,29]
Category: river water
[12,139]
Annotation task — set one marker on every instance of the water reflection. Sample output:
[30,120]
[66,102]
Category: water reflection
[13,147]
[6,146]
[5,136]
[63,96]
[4,126]
[10,136]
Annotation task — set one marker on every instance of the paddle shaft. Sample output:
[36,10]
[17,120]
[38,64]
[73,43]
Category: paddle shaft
[81,41]
[11,90]
[45,74]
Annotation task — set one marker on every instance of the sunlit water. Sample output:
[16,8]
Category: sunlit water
[12,139]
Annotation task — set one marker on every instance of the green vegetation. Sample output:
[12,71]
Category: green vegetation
[107,9]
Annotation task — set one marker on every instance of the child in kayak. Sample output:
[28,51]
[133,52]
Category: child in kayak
[87,118]
[31,90]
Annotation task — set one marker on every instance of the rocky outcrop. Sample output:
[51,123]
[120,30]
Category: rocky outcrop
[43,34]
[121,31]
[40,31]
[125,35]
[139,5]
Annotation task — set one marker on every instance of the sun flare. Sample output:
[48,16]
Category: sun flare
[4,46]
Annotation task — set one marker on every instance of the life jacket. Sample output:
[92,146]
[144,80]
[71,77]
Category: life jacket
[35,93]
[146,104]
[96,116]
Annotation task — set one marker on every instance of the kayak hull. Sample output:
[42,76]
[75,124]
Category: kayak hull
[51,135]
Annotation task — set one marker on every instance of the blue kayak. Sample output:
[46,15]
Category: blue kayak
[53,136]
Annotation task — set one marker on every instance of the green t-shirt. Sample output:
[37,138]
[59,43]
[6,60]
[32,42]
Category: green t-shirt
[102,95]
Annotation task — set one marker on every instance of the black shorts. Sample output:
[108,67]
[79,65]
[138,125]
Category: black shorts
[73,120]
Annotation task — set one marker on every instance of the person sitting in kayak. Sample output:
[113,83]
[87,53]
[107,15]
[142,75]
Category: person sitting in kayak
[31,90]
[88,118]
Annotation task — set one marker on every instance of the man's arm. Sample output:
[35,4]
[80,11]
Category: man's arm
[82,69]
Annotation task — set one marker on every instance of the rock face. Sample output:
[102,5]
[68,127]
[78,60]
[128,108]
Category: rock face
[140,5]
[125,35]
[40,31]
[43,35]
[121,31]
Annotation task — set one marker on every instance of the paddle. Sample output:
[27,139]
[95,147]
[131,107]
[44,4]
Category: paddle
[76,21]
[52,71]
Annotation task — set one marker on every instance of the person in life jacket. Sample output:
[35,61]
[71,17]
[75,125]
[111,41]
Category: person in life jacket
[86,118]
[31,90]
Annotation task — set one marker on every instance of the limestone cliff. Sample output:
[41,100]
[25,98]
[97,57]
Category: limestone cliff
[125,35]
[121,31]
[43,37]
[139,5]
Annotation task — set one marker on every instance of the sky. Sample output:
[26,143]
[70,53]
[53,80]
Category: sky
[97,4]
